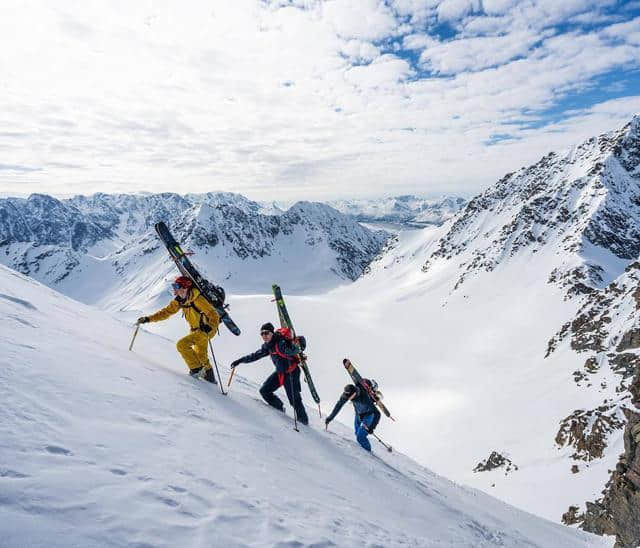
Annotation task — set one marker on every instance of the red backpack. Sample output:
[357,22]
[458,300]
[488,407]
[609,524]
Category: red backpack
[285,333]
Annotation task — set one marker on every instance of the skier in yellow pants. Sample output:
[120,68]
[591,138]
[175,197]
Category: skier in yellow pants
[201,317]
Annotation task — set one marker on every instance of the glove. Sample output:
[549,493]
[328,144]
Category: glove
[143,319]
[235,363]
[206,328]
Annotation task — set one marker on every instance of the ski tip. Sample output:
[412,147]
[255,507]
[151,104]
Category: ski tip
[345,361]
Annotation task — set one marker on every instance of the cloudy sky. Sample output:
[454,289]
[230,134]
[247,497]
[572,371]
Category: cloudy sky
[292,99]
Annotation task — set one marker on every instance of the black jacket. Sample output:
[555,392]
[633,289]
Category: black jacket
[283,352]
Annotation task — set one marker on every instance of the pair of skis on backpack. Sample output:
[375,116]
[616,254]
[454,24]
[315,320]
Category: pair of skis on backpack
[215,294]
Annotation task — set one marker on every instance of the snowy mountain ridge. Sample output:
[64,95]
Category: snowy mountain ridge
[59,241]
[585,203]
[120,449]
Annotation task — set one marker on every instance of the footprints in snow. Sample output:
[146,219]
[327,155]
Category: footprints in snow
[15,300]
[56,450]
[7,473]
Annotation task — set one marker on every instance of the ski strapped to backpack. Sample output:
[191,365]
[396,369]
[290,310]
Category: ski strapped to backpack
[285,322]
[213,293]
[375,395]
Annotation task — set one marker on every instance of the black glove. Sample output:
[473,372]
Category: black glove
[235,363]
[143,319]
[206,328]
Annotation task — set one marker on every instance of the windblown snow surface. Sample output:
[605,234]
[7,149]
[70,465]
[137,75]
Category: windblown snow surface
[100,446]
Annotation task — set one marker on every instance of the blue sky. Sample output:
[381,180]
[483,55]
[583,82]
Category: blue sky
[305,99]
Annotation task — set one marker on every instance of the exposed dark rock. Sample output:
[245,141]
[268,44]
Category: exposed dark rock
[631,339]
[496,460]
[587,431]
[618,511]
[624,364]
[571,516]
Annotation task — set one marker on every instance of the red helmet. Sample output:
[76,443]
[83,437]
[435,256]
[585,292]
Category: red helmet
[182,281]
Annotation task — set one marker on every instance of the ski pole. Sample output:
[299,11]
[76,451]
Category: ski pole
[388,447]
[217,371]
[134,336]
[233,372]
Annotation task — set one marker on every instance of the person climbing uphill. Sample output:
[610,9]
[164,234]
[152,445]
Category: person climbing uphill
[284,352]
[367,415]
[201,317]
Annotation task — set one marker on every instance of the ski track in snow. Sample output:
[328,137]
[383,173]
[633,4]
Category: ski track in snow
[104,447]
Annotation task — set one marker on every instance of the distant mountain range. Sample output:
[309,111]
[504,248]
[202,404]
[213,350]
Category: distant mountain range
[403,210]
[111,238]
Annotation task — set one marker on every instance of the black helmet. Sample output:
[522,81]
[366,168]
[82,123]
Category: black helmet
[349,389]
[268,327]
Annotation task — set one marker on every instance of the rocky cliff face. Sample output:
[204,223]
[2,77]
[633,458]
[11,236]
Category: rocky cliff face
[617,512]
[606,331]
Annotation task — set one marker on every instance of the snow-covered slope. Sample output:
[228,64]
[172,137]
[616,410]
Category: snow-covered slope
[405,210]
[110,238]
[104,447]
[542,260]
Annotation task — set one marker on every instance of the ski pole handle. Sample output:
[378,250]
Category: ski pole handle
[134,336]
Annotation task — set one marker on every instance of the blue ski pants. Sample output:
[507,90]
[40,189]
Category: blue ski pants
[361,431]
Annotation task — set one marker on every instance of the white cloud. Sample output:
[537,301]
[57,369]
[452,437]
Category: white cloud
[359,51]
[498,7]
[628,31]
[253,96]
[365,19]
[477,53]
[450,10]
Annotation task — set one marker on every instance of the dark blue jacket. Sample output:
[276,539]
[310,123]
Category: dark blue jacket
[362,405]
[283,352]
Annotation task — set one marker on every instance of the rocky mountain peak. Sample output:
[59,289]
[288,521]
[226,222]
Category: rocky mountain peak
[585,199]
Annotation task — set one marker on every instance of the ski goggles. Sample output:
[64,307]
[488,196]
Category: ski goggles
[263,333]
[175,286]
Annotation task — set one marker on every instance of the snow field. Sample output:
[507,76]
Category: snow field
[104,447]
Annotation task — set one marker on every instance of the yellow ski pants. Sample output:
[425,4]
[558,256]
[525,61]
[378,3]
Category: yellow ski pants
[194,349]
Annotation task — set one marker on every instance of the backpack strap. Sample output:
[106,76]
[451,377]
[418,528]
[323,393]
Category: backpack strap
[294,359]
[202,314]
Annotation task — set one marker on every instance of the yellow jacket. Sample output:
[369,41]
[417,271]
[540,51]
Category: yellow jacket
[196,310]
